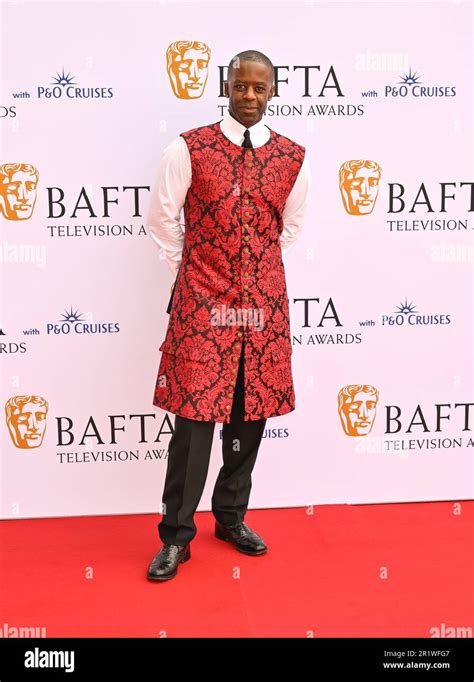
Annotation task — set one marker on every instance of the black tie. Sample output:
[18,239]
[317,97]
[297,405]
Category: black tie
[247,142]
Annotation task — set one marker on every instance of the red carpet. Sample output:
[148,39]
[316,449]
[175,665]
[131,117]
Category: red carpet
[322,575]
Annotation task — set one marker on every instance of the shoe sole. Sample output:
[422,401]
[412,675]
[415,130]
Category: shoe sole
[244,551]
[171,575]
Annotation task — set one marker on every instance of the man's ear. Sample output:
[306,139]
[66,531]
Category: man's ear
[226,88]
[272,92]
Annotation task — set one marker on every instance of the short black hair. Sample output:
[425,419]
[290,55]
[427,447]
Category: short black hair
[250,56]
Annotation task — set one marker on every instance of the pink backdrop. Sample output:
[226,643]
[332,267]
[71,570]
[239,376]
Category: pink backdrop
[120,282]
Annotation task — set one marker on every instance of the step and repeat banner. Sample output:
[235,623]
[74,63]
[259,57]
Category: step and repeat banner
[380,281]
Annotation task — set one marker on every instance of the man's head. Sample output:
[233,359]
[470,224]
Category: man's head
[249,86]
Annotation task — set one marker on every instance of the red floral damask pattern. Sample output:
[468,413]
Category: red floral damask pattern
[231,261]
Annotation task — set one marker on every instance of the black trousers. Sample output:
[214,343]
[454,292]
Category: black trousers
[188,465]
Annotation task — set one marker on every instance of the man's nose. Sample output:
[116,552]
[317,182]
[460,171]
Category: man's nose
[249,94]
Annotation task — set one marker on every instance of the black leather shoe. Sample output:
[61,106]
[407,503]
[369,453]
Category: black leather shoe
[165,564]
[244,539]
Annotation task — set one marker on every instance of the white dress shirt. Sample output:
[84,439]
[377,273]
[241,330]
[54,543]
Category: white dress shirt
[174,179]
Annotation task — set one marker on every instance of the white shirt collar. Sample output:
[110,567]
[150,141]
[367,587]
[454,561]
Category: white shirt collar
[234,131]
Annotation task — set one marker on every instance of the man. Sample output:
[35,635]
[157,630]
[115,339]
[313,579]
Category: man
[244,189]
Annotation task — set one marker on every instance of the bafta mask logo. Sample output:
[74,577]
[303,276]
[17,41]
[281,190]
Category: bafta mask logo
[359,185]
[17,190]
[357,405]
[187,66]
[26,420]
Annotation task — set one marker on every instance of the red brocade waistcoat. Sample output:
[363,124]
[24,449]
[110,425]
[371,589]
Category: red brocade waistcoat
[231,282]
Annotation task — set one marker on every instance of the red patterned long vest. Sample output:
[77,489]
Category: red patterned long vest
[231,282]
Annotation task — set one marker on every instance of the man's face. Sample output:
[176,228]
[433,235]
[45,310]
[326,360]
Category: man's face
[358,414]
[249,88]
[28,426]
[360,191]
[188,73]
[18,195]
